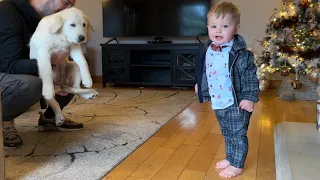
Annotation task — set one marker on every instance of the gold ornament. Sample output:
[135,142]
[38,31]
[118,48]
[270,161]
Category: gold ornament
[285,71]
[296,84]
[314,75]
[264,84]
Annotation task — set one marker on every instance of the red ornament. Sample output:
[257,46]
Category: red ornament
[304,3]
[285,71]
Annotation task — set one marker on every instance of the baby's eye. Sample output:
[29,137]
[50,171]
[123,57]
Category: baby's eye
[213,26]
[225,26]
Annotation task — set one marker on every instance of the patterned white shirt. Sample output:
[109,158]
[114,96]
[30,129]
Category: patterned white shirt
[218,76]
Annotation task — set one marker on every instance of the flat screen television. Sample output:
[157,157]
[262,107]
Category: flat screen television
[156,18]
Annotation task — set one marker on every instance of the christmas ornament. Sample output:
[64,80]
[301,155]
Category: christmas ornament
[304,3]
[285,71]
[314,75]
[296,83]
[264,84]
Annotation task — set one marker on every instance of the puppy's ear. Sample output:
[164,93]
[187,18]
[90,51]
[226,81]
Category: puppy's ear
[90,26]
[55,23]
[89,22]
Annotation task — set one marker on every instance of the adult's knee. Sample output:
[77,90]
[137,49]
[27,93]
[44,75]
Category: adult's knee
[32,86]
[19,93]
[35,88]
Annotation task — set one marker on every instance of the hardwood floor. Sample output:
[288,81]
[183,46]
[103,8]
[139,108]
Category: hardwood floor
[189,145]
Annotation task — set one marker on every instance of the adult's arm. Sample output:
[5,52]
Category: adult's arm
[14,53]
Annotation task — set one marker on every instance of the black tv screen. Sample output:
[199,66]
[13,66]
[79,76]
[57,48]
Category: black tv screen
[132,18]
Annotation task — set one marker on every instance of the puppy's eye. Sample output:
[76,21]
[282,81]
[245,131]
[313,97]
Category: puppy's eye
[73,25]
[84,24]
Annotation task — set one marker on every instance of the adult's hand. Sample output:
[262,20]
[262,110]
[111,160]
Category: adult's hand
[60,56]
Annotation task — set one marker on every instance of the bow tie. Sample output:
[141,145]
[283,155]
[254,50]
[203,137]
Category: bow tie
[217,48]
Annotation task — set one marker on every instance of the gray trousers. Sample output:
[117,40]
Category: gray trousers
[234,127]
[20,92]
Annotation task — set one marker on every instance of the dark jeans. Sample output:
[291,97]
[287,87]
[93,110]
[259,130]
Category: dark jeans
[20,92]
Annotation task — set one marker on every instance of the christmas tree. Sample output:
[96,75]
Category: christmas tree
[292,41]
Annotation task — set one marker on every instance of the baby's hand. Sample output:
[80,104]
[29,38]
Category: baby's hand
[196,88]
[246,105]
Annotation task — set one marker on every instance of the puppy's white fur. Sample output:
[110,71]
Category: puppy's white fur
[64,30]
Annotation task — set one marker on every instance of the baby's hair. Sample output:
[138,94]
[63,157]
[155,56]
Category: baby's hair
[223,8]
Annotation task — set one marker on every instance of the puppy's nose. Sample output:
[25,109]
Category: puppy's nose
[81,38]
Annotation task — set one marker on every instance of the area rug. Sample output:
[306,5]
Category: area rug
[116,124]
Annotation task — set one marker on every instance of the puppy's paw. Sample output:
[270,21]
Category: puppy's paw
[60,119]
[91,95]
[94,94]
[48,92]
[87,82]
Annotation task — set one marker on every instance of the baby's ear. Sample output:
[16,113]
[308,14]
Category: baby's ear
[237,29]
[55,23]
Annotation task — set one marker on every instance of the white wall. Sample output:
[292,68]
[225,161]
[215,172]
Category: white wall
[254,15]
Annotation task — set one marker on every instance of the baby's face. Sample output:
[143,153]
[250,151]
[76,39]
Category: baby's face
[220,30]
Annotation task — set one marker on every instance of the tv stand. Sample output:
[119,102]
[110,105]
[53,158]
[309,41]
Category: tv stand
[151,64]
[198,39]
[159,40]
[113,39]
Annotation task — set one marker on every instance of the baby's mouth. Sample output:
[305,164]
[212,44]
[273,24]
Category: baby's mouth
[219,37]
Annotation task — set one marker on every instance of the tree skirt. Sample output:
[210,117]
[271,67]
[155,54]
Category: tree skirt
[115,124]
[306,92]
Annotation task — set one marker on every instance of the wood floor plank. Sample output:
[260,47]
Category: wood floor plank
[200,132]
[170,128]
[179,137]
[212,172]
[173,125]
[266,162]
[132,162]
[192,175]
[215,129]
[221,152]
[172,169]
[151,166]
[136,178]
[204,155]
[197,118]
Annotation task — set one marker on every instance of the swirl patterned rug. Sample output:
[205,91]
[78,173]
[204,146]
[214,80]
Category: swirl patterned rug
[116,123]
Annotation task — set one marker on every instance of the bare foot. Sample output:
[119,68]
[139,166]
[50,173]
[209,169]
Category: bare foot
[230,172]
[222,164]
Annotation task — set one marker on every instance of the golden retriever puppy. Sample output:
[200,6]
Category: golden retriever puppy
[62,31]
